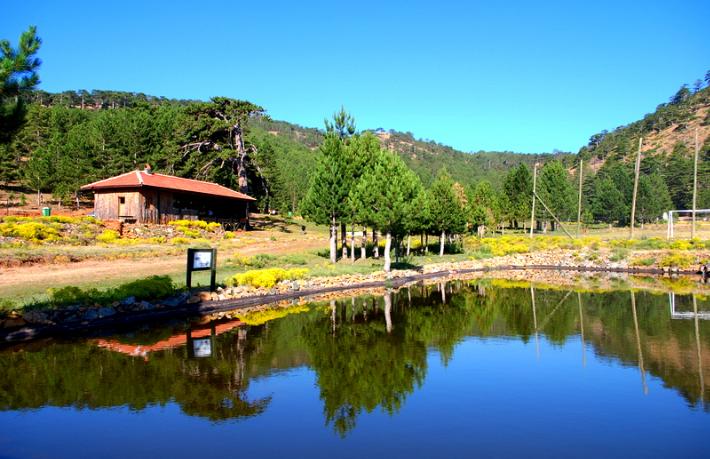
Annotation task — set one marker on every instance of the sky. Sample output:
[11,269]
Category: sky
[504,76]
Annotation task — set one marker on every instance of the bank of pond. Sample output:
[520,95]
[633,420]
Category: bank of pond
[459,366]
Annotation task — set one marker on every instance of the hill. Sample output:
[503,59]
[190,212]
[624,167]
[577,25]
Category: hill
[670,127]
[425,157]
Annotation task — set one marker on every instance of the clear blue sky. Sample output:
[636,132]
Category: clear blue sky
[521,76]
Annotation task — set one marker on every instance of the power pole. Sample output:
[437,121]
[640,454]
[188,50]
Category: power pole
[532,214]
[636,187]
[579,201]
[695,183]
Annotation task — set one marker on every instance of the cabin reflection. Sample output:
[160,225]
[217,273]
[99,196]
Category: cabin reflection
[199,340]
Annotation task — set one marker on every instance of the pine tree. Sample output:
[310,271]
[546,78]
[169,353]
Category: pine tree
[327,194]
[518,190]
[447,214]
[384,195]
[555,190]
[18,75]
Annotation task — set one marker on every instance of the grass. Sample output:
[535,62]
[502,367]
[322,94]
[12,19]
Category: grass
[278,232]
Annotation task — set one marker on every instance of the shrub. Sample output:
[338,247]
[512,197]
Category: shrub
[150,288]
[212,227]
[181,224]
[677,260]
[650,261]
[681,245]
[230,234]
[179,241]
[190,233]
[266,278]
[107,236]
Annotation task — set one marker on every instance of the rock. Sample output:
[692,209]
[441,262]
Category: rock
[194,299]
[13,322]
[175,301]
[36,317]
[90,314]
[146,306]
[205,296]
[106,312]
[129,300]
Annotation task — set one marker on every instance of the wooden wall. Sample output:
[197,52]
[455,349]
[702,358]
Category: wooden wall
[106,204]
[158,206]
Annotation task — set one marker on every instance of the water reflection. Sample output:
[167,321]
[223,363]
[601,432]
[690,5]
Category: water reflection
[367,353]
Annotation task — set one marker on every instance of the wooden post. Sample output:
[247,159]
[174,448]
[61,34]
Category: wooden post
[581,329]
[579,200]
[695,184]
[532,214]
[697,343]
[642,370]
[537,340]
[636,186]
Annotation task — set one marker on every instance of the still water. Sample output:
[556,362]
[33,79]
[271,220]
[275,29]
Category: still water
[456,370]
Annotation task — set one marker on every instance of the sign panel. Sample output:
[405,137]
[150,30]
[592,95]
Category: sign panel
[202,347]
[202,260]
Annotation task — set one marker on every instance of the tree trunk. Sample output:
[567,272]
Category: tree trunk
[409,243]
[442,242]
[333,242]
[343,240]
[375,244]
[388,311]
[426,243]
[421,243]
[363,245]
[352,243]
[241,160]
[388,246]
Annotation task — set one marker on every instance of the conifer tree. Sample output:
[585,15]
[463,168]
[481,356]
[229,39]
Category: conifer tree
[384,195]
[518,190]
[447,214]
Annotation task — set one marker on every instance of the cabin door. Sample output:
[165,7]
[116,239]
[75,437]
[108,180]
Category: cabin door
[121,206]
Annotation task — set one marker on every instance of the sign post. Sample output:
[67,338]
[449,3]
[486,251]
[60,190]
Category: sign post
[202,260]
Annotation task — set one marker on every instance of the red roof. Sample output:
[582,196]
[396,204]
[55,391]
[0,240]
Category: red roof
[138,179]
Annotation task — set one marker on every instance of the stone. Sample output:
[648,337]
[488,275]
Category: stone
[129,300]
[90,314]
[146,306]
[36,317]
[205,296]
[106,312]
[194,299]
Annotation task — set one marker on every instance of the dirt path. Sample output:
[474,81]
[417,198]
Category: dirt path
[96,271]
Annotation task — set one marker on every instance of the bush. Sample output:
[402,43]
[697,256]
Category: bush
[150,288]
[650,261]
[182,224]
[266,278]
[107,236]
[677,260]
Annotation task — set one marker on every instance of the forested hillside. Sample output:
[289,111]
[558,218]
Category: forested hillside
[71,138]
[74,137]
[425,157]
[669,136]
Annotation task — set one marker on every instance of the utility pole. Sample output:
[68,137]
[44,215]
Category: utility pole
[579,201]
[695,184]
[532,214]
[636,187]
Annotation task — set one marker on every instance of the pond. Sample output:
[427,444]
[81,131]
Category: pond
[467,368]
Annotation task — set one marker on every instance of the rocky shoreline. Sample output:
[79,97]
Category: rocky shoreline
[553,267]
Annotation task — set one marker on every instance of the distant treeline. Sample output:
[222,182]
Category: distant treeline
[71,138]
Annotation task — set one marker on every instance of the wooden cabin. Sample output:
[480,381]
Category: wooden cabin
[147,197]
